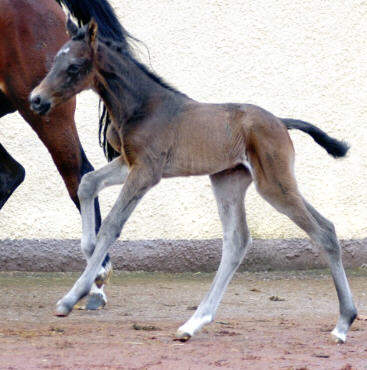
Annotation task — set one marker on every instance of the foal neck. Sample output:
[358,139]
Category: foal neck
[126,86]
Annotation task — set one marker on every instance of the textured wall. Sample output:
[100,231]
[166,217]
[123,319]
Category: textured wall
[302,59]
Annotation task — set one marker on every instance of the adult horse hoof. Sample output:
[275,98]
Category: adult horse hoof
[338,337]
[182,336]
[96,301]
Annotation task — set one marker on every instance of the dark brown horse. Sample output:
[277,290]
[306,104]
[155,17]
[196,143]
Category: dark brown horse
[32,31]
[162,133]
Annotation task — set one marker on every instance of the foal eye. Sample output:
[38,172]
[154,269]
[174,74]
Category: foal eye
[73,69]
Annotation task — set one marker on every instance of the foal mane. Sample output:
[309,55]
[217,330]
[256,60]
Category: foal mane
[109,28]
[118,47]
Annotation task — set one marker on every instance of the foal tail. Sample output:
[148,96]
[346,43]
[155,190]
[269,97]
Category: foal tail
[333,146]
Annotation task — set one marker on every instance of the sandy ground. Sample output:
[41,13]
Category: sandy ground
[251,331]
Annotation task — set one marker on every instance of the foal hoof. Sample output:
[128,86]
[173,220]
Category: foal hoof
[96,301]
[182,336]
[337,337]
[104,275]
[62,310]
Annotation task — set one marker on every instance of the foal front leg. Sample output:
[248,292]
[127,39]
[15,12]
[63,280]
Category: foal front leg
[138,182]
[92,183]
[114,173]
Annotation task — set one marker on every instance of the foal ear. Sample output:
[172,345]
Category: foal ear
[71,27]
[92,32]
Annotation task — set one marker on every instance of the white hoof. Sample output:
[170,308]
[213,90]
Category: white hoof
[187,330]
[182,336]
[338,337]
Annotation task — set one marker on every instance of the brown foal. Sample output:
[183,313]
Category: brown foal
[162,133]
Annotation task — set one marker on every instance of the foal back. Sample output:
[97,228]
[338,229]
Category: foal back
[201,139]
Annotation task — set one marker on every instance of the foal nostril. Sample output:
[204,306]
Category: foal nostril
[39,105]
[36,101]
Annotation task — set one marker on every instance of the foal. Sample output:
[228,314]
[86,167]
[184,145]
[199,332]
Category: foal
[162,133]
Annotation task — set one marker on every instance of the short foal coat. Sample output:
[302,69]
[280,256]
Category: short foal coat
[163,133]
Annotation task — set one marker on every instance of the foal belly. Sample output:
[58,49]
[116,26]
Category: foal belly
[200,158]
[206,145]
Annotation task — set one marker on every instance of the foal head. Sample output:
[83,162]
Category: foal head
[72,70]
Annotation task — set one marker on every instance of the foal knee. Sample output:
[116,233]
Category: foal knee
[87,187]
[87,246]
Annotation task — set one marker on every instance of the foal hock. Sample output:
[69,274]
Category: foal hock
[162,133]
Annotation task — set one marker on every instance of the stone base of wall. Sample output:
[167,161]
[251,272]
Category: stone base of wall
[173,255]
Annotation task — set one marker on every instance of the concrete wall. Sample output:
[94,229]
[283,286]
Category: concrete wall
[302,59]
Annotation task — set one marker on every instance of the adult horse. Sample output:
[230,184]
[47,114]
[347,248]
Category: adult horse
[35,31]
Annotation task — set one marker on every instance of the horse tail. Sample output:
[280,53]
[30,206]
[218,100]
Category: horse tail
[334,147]
[108,27]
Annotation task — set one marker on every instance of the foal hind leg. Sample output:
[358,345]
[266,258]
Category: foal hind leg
[347,309]
[11,175]
[229,190]
[282,193]
[92,183]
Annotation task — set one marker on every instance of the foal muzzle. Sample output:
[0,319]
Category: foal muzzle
[39,105]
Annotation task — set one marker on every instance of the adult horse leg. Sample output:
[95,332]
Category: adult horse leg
[11,175]
[58,133]
[11,172]
[139,180]
[272,169]
[229,190]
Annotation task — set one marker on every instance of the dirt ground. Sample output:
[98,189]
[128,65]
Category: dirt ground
[251,331]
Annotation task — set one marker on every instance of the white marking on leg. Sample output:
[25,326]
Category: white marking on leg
[194,325]
[338,336]
[98,292]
